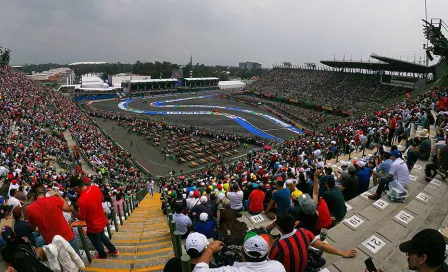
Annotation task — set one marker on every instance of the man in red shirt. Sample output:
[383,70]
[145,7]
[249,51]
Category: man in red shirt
[256,199]
[90,209]
[392,127]
[45,213]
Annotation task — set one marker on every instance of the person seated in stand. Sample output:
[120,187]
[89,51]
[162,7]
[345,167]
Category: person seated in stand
[439,161]
[350,185]
[398,171]
[281,197]
[195,245]
[204,226]
[254,256]
[183,222]
[384,162]
[364,172]
[256,199]
[422,151]
[299,240]
[334,199]
[425,252]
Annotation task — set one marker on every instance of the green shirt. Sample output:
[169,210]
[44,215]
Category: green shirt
[425,149]
[335,202]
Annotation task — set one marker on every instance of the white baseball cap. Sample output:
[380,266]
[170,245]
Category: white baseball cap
[196,241]
[204,199]
[203,216]
[320,164]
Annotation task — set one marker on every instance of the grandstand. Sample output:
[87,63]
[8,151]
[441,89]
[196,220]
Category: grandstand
[47,138]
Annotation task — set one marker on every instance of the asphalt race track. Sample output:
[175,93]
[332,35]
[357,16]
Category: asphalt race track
[212,122]
[151,158]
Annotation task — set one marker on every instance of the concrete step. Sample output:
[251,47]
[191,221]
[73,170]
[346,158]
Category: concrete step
[144,234]
[382,237]
[365,215]
[145,255]
[141,241]
[147,263]
[144,248]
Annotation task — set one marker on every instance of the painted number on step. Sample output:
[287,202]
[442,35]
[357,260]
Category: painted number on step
[348,206]
[365,195]
[412,178]
[404,217]
[354,221]
[435,182]
[423,197]
[380,204]
[374,244]
[257,218]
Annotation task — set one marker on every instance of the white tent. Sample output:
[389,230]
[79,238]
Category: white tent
[233,85]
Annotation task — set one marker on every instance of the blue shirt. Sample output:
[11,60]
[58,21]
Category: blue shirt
[205,228]
[363,175]
[281,197]
[384,166]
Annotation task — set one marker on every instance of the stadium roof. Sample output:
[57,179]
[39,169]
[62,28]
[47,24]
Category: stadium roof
[201,78]
[385,64]
[151,80]
[87,62]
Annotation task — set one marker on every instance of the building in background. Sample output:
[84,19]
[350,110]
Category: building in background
[250,65]
[61,76]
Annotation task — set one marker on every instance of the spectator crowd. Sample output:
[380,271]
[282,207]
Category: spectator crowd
[290,182]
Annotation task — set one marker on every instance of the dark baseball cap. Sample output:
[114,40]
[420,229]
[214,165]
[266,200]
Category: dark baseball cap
[428,241]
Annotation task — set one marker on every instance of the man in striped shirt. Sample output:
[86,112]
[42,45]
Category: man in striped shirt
[292,247]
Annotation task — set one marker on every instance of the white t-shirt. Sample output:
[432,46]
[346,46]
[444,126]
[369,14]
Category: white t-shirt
[236,200]
[399,171]
[14,202]
[265,266]
[13,186]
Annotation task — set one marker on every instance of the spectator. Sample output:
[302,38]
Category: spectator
[90,209]
[203,207]
[363,173]
[425,251]
[254,251]
[236,197]
[229,229]
[281,197]
[204,226]
[350,185]
[292,248]
[441,161]
[256,199]
[195,245]
[45,213]
[22,229]
[398,171]
[382,169]
[12,201]
[183,222]
[422,152]
[334,199]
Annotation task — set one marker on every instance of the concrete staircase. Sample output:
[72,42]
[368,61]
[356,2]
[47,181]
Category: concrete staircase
[376,228]
[143,240]
[71,143]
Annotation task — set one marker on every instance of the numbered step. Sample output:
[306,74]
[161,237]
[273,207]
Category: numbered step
[374,244]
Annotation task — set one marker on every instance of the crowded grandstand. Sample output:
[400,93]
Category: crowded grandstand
[359,179]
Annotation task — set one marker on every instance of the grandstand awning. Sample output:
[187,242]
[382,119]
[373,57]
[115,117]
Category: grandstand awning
[201,78]
[384,64]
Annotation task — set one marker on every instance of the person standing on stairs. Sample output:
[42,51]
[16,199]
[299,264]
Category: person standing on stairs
[90,209]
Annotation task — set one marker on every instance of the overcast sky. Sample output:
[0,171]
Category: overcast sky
[214,31]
